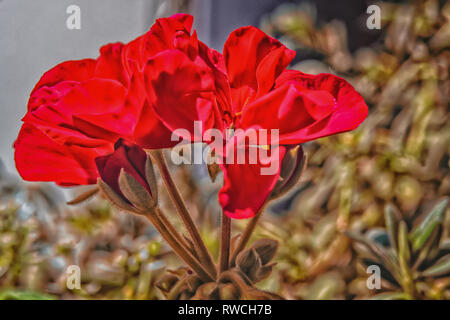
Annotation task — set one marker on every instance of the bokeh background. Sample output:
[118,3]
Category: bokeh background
[373,196]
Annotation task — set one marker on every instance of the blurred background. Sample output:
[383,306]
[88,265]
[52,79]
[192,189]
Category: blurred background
[372,196]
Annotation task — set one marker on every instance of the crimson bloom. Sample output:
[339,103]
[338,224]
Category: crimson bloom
[76,112]
[129,157]
[252,90]
[174,67]
[165,80]
[78,109]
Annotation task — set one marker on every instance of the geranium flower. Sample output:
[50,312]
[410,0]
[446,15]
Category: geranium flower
[254,91]
[164,81]
[76,112]
[173,65]
[79,109]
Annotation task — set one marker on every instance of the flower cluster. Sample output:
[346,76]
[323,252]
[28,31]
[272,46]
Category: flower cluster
[92,118]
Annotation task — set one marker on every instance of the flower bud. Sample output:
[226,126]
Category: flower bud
[266,249]
[127,178]
[254,262]
[228,291]
[292,166]
[207,291]
[167,282]
[248,262]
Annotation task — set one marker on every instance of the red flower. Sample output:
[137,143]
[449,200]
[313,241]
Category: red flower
[127,156]
[75,113]
[254,91]
[164,81]
[79,109]
[168,60]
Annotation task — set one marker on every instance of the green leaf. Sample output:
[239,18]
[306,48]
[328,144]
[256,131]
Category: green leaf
[385,257]
[403,244]
[391,296]
[423,231]
[24,295]
[430,248]
[391,217]
[441,267]
[404,255]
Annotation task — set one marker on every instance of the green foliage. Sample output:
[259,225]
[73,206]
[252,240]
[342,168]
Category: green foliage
[24,295]
[398,158]
[415,262]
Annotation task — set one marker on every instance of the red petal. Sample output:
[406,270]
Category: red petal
[245,189]
[171,33]
[215,61]
[307,107]
[109,64]
[99,104]
[49,96]
[185,19]
[94,107]
[271,67]
[180,90]
[95,97]
[79,70]
[150,132]
[282,109]
[241,97]
[254,59]
[40,158]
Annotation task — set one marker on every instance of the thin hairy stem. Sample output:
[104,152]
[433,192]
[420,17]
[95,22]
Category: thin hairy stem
[225,240]
[246,236]
[202,251]
[187,257]
[171,229]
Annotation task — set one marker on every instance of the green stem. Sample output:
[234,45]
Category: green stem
[171,229]
[246,236]
[225,243]
[190,260]
[202,251]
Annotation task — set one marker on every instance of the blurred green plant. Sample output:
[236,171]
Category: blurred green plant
[24,295]
[399,158]
[400,155]
[414,263]
[120,256]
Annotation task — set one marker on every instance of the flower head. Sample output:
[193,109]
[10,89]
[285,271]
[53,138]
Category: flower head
[253,91]
[169,62]
[166,80]
[75,113]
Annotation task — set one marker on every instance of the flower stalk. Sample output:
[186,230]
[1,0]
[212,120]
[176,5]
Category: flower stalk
[155,218]
[171,229]
[225,240]
[199,245]
[244,239]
